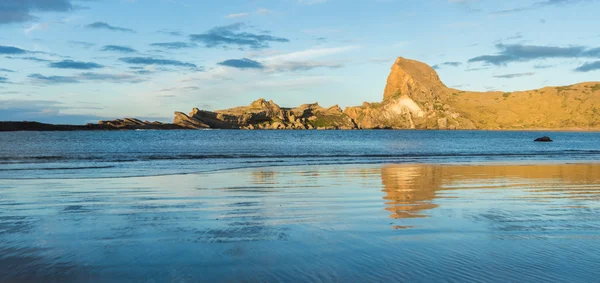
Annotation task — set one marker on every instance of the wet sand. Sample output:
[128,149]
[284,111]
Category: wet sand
[361,223]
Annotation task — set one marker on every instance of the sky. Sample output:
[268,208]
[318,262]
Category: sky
[80,61]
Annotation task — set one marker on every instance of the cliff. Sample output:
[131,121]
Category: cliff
[415,97]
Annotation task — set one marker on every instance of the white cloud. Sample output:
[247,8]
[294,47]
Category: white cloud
[263,11]
[310,2]
[237,16]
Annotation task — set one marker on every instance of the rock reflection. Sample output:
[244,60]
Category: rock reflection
[410,190]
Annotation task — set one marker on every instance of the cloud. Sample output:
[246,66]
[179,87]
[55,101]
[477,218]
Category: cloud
[6,70]
[263,11]
[52,79]
[17,11]
[451,64]
[305,60]
[35,59]
[3,80]
[244,63]
[174,45]
[103,25]
[236,16]
[183,88]
[522,53]
[118,48]
[85,77]
[11,50]
[78,65]
[82,44]
[115,78]
[517,75]
[170,32]
[231,35]
[538,66]
[536,5]
[588,67]
[156,61]
[304,66]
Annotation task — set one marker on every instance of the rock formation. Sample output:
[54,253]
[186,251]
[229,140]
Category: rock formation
[262,114]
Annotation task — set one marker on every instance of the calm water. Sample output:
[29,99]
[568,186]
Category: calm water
[148,153]
[374,206]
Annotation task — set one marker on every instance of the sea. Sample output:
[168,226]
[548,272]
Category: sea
[299,206]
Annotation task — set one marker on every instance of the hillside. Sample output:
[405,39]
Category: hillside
[415,97]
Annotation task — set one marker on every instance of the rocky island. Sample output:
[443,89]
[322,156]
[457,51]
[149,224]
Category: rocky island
[414,98]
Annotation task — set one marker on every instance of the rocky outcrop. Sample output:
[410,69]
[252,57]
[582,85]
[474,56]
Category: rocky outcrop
[543,139]
[132,124]
[414,79]
[267,115]
[414,98]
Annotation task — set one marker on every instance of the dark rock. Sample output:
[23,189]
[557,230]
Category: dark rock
[543,139]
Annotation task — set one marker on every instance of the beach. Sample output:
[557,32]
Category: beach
[488,222]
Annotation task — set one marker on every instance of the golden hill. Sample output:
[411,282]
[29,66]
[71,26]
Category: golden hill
[415,97]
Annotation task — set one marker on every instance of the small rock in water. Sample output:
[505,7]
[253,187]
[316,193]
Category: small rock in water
[543,139]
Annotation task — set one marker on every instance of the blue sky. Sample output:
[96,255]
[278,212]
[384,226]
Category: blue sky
[68,61]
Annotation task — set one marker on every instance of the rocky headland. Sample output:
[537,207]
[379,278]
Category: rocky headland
[414,98]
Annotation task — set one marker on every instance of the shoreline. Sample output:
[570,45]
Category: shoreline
[84,128]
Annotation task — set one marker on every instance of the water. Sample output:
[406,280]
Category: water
[356,206]
[148,153]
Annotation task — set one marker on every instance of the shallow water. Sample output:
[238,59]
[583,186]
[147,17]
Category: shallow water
[359,223]
[99,154]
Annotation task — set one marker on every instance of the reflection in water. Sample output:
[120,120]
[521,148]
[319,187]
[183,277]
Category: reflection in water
[412,189]
[363,223]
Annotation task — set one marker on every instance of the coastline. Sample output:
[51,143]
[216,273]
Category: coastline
[11,126]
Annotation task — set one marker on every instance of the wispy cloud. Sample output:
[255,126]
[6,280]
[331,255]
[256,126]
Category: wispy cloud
[536,5]
[236,16]
[244,63]
[82,44]
[170,32]
[6,70]
[264,11]
[39,78]
[588,67]
[11,50]
[450,64]
[29,58]
[103,25]
[156,61]
[306,60]
[516,75]
[78,65]
[174,45]
[231,35]
[118,48]
[85,77]
[16,11]
[521,53]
